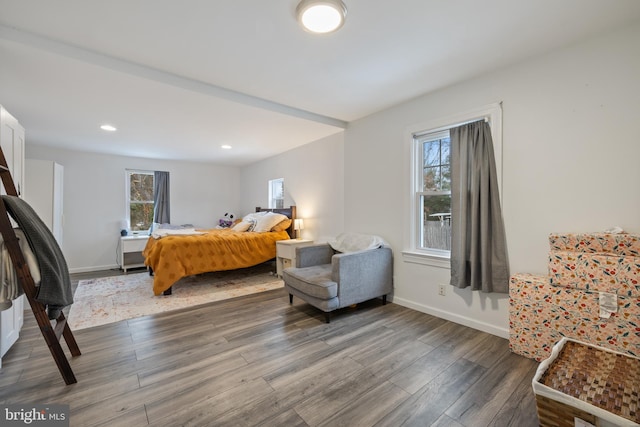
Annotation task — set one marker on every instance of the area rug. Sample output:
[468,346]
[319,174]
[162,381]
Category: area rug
[111,299]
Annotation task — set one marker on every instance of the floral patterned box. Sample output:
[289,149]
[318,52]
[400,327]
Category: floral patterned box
[526,294]
[596,272]
[624,244]
[540,314]
[566,303]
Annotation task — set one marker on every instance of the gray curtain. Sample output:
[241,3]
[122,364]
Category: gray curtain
[478,243]
[161,202]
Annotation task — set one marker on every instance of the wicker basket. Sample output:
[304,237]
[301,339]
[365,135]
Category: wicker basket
[591,383]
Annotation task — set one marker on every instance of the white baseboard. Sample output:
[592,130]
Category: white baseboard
[453,317]
[89,269]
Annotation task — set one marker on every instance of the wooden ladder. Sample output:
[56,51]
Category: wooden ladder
[51,333]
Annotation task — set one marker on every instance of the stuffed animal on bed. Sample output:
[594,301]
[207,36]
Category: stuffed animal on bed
[227,221]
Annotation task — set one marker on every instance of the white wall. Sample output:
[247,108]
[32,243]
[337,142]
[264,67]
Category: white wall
[94,199]
[571,149]
[313,181]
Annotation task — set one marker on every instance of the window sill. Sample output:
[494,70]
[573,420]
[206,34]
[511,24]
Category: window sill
[431,260]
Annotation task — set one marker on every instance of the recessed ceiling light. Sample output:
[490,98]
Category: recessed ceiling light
[226,147]
[108,128]
[321,16]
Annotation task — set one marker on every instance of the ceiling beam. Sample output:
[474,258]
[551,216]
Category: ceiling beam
[149,73]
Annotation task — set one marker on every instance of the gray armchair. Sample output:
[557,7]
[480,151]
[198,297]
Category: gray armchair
[330,280]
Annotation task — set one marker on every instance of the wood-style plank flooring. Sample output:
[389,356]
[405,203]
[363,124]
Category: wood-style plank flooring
[256,360]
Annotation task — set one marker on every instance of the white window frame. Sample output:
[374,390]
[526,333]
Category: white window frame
[418,146]
[413,251]
[127,185]
[273,201]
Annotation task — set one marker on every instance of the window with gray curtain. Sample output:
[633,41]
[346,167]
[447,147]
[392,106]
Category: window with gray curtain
[428,238]
[161,199]
[478,243]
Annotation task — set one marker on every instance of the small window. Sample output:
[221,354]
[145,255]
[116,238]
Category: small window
[276,193]
[140,200]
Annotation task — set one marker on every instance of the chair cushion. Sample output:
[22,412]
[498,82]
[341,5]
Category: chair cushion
[315,281]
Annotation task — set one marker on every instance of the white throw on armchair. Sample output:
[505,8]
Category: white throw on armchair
[329,280]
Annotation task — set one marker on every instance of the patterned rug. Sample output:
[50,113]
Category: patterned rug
[115,298]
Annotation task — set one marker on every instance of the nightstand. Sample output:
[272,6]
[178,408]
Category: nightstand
[131,248]
[286,253]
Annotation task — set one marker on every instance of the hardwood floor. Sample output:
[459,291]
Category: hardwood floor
[256,360]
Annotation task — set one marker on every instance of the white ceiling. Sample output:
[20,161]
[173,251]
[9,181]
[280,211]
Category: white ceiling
[179,79]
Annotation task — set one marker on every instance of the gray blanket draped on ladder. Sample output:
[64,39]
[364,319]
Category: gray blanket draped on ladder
[55,284]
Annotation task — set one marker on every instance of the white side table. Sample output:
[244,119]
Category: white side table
[286,253]
[131,248]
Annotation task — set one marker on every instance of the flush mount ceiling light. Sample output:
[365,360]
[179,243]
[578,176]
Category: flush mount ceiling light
[225,147]
[321,16]
[108,128]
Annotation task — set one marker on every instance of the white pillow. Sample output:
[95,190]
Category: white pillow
[352,242]
[244,225]
[268,221]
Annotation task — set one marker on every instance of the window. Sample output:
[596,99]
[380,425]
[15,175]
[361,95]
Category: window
[429,233]
[140,199]
[434,191]
[276,193]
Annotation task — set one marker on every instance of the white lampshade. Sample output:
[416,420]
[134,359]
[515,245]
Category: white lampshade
[321,16]
[298,225]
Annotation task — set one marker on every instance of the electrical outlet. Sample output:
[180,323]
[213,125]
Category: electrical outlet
[442,290]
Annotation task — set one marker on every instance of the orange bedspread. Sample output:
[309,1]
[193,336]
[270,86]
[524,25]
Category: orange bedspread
[175,257]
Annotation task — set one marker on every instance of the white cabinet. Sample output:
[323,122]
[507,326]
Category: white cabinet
[12,142]
[286,253]
[44,180]
[131,248]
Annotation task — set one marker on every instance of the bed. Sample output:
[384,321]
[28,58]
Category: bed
[174,256]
